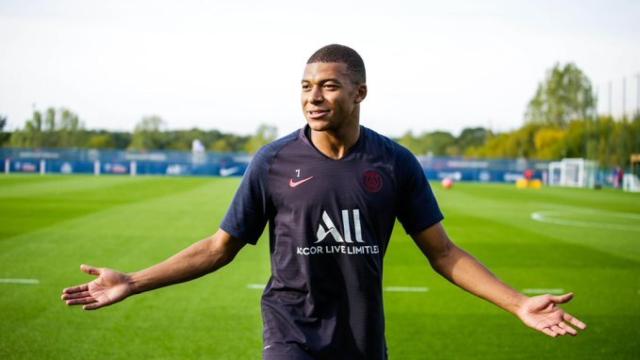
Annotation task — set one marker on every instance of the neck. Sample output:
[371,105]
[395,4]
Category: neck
[335,144]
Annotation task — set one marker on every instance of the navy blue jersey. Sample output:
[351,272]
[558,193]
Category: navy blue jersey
[329,227]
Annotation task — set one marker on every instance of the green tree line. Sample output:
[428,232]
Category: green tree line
[608,141]
[62,128]
[560,121]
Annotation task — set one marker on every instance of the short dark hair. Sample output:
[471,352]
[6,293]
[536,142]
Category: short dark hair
[342,54]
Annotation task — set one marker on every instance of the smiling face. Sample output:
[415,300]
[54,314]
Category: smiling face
[330,97]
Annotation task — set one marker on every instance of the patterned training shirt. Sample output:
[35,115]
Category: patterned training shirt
[330,222]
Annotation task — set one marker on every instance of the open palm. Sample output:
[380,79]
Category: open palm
[543,314]
[110,287]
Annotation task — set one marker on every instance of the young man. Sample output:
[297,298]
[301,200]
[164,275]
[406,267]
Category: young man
[330,193]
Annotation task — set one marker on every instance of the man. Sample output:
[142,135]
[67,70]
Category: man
[330,193]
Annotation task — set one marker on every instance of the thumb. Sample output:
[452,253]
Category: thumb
[90,270]
[561,299]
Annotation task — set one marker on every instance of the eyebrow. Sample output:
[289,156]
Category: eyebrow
[321,81]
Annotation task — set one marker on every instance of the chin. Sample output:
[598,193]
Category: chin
[319,125]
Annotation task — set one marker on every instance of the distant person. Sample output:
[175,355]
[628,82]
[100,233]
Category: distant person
[618,177]
[529,174]
[330,193]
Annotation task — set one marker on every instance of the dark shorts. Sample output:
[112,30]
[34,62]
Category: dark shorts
[289,351]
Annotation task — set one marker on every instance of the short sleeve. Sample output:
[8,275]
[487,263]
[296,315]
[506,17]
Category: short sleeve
[417,205]
[249,211]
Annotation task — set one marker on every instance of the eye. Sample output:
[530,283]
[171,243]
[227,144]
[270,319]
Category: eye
[306,87]
[330,86]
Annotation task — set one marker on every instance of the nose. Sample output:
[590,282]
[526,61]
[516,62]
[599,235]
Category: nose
[315,95]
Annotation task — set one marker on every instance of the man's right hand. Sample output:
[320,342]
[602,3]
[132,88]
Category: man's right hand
[201,258]
[110,287]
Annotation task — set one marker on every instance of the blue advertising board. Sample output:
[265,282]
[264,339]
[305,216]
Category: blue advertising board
[183,163]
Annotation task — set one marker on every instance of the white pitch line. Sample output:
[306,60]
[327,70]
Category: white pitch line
[543,291]
[255,286]
[20,281]
[551,217]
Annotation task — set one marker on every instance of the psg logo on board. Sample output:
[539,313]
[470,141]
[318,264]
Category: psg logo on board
[372,181]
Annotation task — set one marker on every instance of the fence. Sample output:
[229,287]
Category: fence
[69,161]
[78,161]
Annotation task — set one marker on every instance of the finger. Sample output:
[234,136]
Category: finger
[571,331]
[561,299]
[90,269]
[73,289]
[77,295]
[549,332]
[93,306]
[575,322]
[82,301]
[558,330]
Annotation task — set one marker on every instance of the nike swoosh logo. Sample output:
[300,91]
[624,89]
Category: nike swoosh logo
[229,171]
[296,183]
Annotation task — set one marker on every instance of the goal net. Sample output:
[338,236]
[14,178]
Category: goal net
[573,172]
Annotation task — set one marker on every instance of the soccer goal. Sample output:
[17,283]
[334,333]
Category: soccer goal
[631,182]
[573,172]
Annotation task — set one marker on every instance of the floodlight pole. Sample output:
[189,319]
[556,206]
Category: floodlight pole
[597,100]
[610,89]
[624,97]
[638,94]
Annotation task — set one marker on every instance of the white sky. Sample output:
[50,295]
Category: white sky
[430,64]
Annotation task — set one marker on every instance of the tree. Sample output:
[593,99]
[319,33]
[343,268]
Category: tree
[147,134]
[550,143]
[411,142]
[31,136]
[472,137]
[60,128]
[101,141]
[70,129]
[4,137]
[49,135]
[516,144]
[221,145]
[121,139]
[565,95]
[438,142]
[183,140]
[264,135]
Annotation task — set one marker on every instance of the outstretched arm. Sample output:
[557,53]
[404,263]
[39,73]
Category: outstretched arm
[540,312]
[111,286]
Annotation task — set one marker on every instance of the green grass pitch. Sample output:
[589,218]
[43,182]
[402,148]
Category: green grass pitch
[49,225]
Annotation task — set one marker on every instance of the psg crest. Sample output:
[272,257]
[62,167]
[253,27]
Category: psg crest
[372,181]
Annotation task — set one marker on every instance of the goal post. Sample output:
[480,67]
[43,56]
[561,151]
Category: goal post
[573,172]
[631,182]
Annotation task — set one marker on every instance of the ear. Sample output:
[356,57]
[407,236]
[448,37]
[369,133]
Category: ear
[361,93]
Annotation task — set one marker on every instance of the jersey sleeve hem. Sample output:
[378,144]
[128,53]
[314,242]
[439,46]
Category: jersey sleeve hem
[424,225]
[238,235]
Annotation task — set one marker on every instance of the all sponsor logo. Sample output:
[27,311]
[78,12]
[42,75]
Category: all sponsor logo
[329,240]
[330,229]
